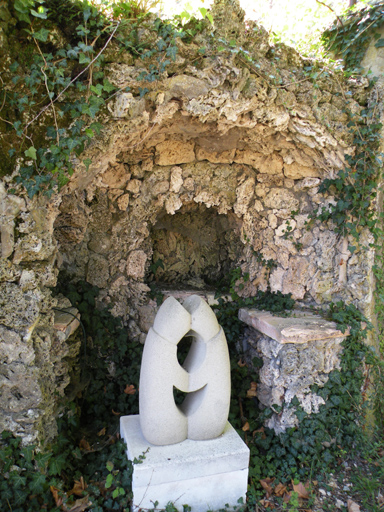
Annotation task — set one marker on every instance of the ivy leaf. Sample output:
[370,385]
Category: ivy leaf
[17,480]
[13,67]
[40,13]
[57,464]
[42,459]
[30,153]
[107,86]
[41,35]
[72,144]
[380,43]
[87,162]
[83,59]
[171,52]
[36,486]
[27,452]
[109,481]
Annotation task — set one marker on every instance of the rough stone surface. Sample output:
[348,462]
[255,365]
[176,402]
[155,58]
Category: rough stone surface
[203,174]
[297,352]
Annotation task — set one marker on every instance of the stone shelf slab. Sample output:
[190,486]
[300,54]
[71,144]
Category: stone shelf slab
[300,327]
[65,321]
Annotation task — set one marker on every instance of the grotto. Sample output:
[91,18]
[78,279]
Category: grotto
[217,166]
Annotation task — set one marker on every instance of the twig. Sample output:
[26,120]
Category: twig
[5,95]
[74,79]
[330,8]
[49,92]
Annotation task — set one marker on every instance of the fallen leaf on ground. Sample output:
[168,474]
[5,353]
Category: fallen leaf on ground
[245,427]
[78,487]
[102,432]
[129,389]
[267,504]
[84,445]
[116,413]
[252,390]
[280,490]
[287,497]
[241,363]
[265,483]
[302,490]
[259,431]
[80,505]
[55,493]
[352,506]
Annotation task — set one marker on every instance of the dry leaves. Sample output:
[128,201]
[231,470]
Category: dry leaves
[79,505]
[266,485]
[352,506]
[129,389]
[252,390]
[84,445]
[280,490]
[302,490]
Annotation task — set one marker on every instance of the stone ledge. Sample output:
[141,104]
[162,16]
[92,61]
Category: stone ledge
[300,327]
[66,321]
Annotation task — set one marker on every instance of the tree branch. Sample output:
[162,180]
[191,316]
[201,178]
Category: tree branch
[330,8]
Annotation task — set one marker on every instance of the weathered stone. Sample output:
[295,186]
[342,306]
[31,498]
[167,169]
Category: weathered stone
[126,106]
[13,349]
[214,156]
[98,271]
[176,180]
[67,321]
[184,86]
[19,310]
[271,164]
[134,186]
[136,264]
[244,194]
[174,152]
[115,177]
[34,247]
[297,352]
[123,202]
[279,198]
[296,171]
[302,328]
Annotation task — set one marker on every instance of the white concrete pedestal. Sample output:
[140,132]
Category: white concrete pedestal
[206,475]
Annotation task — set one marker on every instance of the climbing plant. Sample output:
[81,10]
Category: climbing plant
[59,78]
[349,36]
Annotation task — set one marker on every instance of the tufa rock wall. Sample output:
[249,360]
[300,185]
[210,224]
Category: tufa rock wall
[217,166]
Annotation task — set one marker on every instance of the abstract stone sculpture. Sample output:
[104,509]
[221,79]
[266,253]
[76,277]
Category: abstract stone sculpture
[205,375]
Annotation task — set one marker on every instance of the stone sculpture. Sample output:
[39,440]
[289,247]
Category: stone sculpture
[205,375]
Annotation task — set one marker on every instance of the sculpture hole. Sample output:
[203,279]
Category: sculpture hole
[188,403]
[183,348]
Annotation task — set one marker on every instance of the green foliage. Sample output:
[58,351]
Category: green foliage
[112,365]
[350,40]
[66,85]
[355,186]
[32,480]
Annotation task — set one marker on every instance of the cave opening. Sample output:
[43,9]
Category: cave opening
[196,247]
